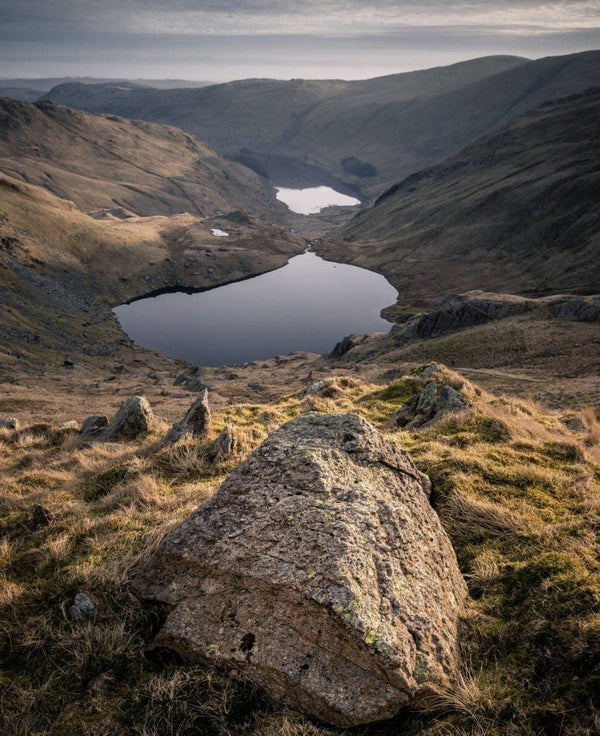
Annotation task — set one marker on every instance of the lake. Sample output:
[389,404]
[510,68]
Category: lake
[308,305]
[312,200]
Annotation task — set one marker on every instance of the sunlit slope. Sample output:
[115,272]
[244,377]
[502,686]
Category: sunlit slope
[106,162]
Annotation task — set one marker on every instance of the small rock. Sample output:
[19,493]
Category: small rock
[10,423]
[39,516]
[93,425]
[223,446]
[134,418]
[430,370]
[69,425]
[153,375]
[315,388]
[83,608]
[428,406]
[196,422]
[191,383]
[68,363]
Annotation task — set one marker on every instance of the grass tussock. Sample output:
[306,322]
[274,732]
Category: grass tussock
[517,490]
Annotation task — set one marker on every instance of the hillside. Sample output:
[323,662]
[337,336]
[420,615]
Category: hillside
[261,116]
[515,211]
[369,133]
[107,162]
[61,271]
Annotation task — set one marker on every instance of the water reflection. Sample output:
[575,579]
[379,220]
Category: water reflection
[309,304]
[313,200]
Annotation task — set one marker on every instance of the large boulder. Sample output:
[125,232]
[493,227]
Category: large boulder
[319,571]
[195,423]
[134,418]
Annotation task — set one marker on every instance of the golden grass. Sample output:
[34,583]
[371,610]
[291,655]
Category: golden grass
[517,491]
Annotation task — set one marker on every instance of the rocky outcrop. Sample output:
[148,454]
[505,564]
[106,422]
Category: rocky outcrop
[195,423]
[345,345]
[319,571]
[580,308]
[463,310]
[428,406]
[134,419]
[460,311]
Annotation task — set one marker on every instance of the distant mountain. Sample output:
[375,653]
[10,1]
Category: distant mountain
[43,84]
[368,133]
[107,162]
[514,211]
[267,116]
[27,94]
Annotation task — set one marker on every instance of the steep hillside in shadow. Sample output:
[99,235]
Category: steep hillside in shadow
[514,211]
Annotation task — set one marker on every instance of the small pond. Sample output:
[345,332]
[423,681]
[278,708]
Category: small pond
[308,305]
[313,200]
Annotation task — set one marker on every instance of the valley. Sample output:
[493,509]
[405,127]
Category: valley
[465,267]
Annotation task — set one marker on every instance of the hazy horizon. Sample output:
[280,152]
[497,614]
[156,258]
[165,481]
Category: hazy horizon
[206,40]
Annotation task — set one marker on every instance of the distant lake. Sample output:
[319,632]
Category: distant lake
[308,305]
[313,200]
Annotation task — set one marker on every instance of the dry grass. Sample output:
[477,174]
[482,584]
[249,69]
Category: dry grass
[517,490]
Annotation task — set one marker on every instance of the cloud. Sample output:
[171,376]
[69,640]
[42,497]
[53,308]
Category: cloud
[229,39]
[314,17]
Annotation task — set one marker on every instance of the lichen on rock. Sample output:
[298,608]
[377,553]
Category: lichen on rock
[320,571]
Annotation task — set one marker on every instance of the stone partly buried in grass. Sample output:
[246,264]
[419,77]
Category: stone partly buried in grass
[320,572]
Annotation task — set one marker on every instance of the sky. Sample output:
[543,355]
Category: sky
[220,40]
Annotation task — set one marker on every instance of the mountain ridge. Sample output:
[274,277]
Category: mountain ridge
[391,125]
[106,161]
[513,211]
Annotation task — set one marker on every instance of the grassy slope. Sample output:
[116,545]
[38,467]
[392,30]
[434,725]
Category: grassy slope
[517,490]
[103,162]
[398,123]
[514,211]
